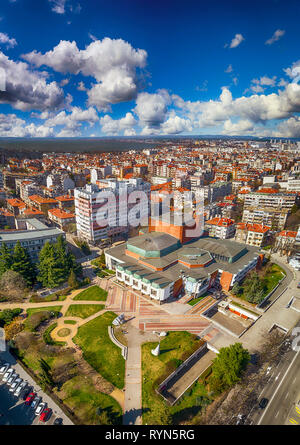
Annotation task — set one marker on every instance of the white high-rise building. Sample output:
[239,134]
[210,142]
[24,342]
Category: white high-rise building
[99,217]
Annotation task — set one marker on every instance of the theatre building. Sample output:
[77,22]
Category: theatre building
[162,265]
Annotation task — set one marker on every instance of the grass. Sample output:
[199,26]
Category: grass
[83,310]
[196,300]
[270,277]
[80,395]
[70,321]
[42,309]
[63,332]
[93,293]
[48,339]
[174,349]
[99,351]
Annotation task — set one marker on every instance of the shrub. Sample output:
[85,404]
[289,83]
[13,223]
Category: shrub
[34,321]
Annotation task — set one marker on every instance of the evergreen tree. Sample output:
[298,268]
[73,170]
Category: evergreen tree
[72,280]
[5,259]
[21,263]
[48,271]
[228,366]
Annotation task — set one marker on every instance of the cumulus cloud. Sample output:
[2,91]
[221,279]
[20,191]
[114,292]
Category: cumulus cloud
[113,63]
[72,122]
[6,40]
[236,41]
[114,127]
[151,109]
[12,126]
[28,90]
[255,108]
[276,36]
[242,127]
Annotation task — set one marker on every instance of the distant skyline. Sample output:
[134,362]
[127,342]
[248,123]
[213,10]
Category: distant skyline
[80,68]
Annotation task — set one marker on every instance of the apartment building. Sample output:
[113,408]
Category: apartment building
[268,198]
[15,205]
[100,173]
[275,218]
[98,218]
[61,218]
[252,234]
[220,227]
[42,204]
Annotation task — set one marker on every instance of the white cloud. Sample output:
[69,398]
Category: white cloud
[28,90]
[175,125]
[236,41]
[81,87]
[72,121]
[151,109]
[6,40]
[113,63]
[12,126]
[276,36]
[115,127]
[229,69]
[58,6]
[242,127]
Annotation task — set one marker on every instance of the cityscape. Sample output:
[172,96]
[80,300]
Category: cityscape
[149,255]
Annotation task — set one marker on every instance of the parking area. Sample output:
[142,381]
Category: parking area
[22,401]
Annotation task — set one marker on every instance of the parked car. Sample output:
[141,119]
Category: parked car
[46,414]
[12,378]
[36,402]
[58,421]
[4,367]
[40,408]
[263,403]
[27,391]
[7,375]
[20,389]
[15,384]
[30,398]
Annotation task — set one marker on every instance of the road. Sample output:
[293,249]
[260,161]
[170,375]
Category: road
[282,390]
[13,409]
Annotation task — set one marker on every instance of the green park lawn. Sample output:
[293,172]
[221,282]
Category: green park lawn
[83,310]
[80,395]
[43,308]
[175,348]
[99,351]
[272,277]
[93,293]
[196,300]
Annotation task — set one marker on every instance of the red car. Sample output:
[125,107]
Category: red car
[46,414]
[30,398]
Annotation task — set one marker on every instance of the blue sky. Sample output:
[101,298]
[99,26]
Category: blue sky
[130,67]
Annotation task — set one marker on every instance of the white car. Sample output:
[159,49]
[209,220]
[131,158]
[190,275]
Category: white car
[12,378]
[7,375]
[40,408]
[4,368]
[20,388]
[15,384]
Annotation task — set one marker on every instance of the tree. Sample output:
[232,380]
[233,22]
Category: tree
[13,285]
[228,366]
[23,265]
[7,316]
[72,280]
[56,264]
[237,289]
[45,375]
[5,259]
[253,288]
[48,266]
